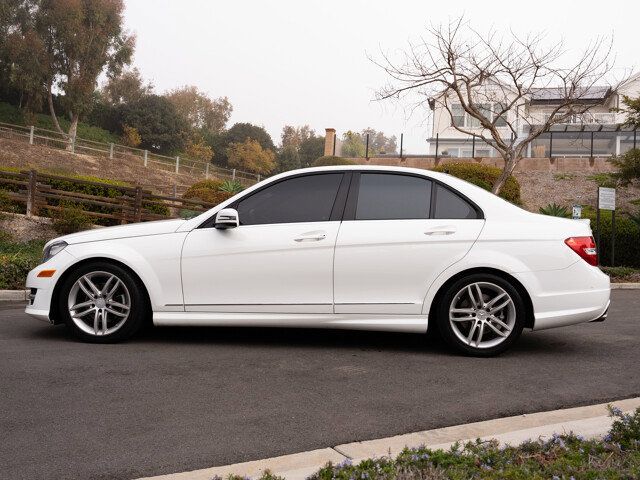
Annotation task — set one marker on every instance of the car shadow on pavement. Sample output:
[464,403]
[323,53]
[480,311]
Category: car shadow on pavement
[320,338]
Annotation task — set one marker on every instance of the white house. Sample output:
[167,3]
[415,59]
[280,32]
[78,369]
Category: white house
[595,133]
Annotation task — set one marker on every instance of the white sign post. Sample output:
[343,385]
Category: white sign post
[607,198]
[607,201]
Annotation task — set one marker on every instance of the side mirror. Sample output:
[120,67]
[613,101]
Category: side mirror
[227,218]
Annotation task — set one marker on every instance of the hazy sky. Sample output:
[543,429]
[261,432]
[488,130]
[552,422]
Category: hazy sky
[305,61]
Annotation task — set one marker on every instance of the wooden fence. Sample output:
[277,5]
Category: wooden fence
[44,194]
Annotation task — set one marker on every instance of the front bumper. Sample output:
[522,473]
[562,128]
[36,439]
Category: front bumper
[41,289]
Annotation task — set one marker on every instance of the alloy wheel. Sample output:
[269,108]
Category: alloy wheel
[99,303]
[482,315]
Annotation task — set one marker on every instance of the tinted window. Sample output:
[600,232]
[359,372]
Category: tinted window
[452,206]
[390,197]
[300,199]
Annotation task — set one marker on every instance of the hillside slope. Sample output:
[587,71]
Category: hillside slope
[15,153]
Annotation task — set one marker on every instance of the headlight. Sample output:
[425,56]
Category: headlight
[52,250]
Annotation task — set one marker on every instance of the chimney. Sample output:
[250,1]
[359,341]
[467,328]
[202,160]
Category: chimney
[329,141]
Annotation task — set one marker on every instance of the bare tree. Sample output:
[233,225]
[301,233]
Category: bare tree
[492,78]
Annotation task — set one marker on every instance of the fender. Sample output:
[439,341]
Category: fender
[157,267]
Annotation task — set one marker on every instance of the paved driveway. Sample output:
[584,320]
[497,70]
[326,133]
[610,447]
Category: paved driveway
[180,399]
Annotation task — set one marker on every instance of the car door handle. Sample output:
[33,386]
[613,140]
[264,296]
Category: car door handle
[311,237]
[446,230]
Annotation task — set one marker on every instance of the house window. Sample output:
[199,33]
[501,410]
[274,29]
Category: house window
[458,115]
[462,119]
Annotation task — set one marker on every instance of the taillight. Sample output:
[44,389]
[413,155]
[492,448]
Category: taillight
[585,247]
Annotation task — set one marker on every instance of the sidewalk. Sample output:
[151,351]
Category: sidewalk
[590,421]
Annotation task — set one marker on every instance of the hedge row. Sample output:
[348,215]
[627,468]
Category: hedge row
[483,176]
[627,239]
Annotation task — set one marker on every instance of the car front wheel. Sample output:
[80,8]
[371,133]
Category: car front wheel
[102,303]
[481,315]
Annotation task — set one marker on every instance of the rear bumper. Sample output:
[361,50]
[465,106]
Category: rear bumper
[577,294]
[603,317]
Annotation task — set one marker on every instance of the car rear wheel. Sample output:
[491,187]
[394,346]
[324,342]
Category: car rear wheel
[481,315]
[102,303]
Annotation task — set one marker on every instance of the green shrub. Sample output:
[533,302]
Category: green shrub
[624,274]
[231,186]
[206,195]
[555,210]
[603,180]
[562,456]
[16,260]
[627,239]
[70,219]
[208,191]
[6,203]
[331,161]
[483,176]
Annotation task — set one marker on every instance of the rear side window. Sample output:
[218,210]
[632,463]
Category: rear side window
[393,197]
[299,199]
[450,205]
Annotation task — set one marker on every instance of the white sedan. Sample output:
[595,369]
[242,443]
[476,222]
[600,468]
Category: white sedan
[374,248]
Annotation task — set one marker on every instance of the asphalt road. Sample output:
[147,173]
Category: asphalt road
[181,399]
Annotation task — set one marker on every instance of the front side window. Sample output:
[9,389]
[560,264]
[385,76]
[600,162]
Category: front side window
[300,199]
[393,197]
[451,206]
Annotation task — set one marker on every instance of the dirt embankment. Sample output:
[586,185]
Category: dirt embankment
[14,153]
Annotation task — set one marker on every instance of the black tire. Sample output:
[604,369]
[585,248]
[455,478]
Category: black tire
[139,311]
[447,332]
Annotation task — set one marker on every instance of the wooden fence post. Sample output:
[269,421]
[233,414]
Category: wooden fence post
[111,151]
[233,175]
[31,130]
[146,154]
[138,204]
[31,192]
[206,171]
[177,164]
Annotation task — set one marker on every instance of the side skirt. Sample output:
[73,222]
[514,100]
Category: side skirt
[383,323]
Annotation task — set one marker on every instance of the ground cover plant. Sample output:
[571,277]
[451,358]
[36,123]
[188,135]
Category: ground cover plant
[561,457]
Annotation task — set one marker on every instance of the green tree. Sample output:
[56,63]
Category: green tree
[379,143]
[628,164]
[250,156]
[80,41]
[295,136]
[199,111]
[310,149]
[287,159]
[238,133]
[352,145]
[128,87]
[160,127]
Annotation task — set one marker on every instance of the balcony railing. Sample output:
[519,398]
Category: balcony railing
[589,118]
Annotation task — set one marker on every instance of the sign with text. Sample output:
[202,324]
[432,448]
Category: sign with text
[607,198]
[576,212]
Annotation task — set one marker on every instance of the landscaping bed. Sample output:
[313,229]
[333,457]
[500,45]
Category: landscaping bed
[562,457]
[622,274]
[16,259]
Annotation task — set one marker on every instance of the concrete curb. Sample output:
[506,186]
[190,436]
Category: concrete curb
[13,295]
[590,421]
[625,286]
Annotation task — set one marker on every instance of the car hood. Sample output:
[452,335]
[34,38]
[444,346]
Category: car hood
[122,231]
